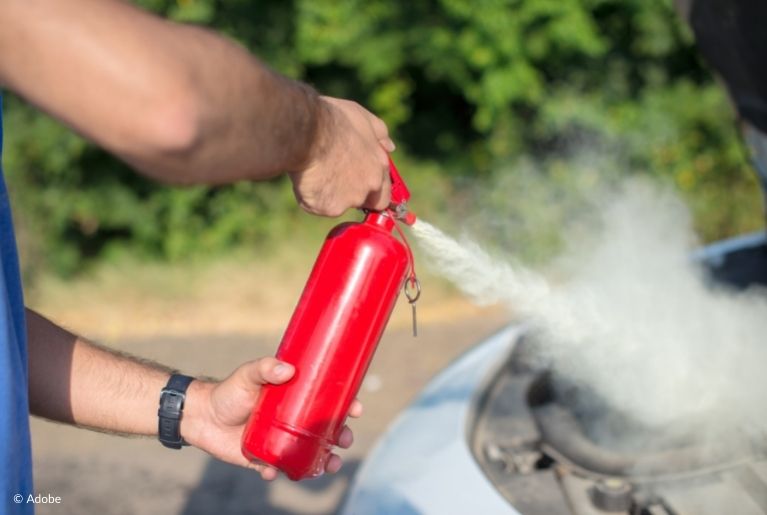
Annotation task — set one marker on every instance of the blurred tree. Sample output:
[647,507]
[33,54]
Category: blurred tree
[469,85]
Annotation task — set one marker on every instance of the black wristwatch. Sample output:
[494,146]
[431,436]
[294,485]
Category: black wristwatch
[172,399]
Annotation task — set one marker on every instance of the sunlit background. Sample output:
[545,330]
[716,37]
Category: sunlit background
[506,114]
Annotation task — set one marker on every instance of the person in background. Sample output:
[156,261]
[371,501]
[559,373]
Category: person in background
[730,36]
[182,105]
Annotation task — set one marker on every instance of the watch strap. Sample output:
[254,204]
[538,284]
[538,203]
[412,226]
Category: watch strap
[171,409]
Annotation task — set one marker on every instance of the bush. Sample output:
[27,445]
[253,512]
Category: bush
[468,88]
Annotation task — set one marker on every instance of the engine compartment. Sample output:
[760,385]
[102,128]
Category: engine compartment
[551,447]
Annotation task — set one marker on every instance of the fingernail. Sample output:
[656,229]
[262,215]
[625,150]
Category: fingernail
[391,147]
[334,466]
[281,369]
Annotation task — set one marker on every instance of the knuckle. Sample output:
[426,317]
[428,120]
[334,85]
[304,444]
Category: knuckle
[265,361]
[381,125]
[375,182]
[364,199]
[335,210]
[265,365]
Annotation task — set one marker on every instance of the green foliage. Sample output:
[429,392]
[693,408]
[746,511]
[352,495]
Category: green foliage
[482,86]
[76,203]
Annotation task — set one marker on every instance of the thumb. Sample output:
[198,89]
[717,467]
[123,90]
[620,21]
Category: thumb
[233,398]
[254,374]
[380,199]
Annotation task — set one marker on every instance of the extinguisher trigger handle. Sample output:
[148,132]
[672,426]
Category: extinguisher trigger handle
[399,192]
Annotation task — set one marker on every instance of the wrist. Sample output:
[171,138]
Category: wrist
[316,140]
[196,411]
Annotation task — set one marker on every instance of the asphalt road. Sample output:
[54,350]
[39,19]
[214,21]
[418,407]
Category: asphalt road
[101,474]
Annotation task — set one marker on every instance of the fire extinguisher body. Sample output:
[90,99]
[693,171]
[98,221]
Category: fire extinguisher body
[330,341]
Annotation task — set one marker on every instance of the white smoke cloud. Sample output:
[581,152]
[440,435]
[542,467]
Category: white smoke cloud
[635,319]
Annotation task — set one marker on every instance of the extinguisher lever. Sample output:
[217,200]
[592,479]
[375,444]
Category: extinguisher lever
[399,196]
[399,192]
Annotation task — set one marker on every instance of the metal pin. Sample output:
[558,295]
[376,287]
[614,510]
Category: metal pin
[413,293]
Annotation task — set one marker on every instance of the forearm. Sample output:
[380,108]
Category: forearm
[178,102]
[76,382]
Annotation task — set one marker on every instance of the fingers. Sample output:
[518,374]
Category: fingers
[381,132]
[355,410]
[380,196]
[267,472]
[346,439]
[388,145]
[379,183]
[334,464]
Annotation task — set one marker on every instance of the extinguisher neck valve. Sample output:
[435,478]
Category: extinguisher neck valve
[382,219]
[402,213]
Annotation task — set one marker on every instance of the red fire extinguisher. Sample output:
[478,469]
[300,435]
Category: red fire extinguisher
[331,338]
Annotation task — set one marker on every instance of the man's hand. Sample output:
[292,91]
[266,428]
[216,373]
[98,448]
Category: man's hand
[78,382]
[215,414]
[348,163]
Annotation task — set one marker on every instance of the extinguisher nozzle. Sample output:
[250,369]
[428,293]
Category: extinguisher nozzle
[401,213]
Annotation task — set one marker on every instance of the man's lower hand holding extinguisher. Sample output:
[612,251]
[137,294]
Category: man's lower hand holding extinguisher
[216,413]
